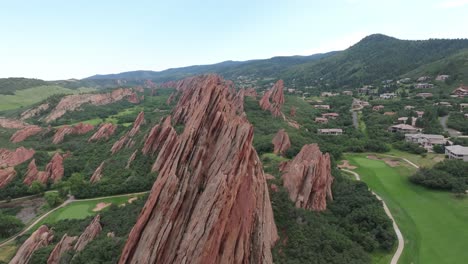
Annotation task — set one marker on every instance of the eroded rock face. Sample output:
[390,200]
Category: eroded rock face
[133,98]
[79,129]
[171,98]
[126,140]
[6,176]
[33,174]
[104,132]
[308,178]
[131,159]
[281,142]
[24,133]
[239,100]
[34,111]
[54,168]
[65,244]
[158,135]
[10,158]
[251,92]
[90,233]
[97,173]
[210,202]
[73,102]
[39,239]
[273,99]
[12,123]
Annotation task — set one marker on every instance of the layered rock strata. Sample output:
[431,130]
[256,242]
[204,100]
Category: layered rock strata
[39,239]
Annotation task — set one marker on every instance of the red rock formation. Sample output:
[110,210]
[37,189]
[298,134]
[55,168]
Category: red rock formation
[276,95]
[6,176]
[308,178]
[79,129]
[131,159]
[12,123]
[54,168]
[158,135]
[265,101]
[239,101]
[39,239]
[90,233]
[292,111]
[65,244]
[33,174]
[105,131]
[274,187]
[34,111]
[150,84]
[126,140]
[171,98]
[251,92]
[139,89]
[24,133]
[133,98]
[210,202]
[281,142]
[168,85]
[73,102]
[10,158]
[97,174]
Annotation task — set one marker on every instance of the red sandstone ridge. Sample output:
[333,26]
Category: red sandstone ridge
[273,99]
[12,123]
[131,159]
[210,202]
[6,176]
[65,244]
[54,171]
[79,129]
[171,98]
[308,178]
[292,111]
[97,174]
[33,174]
[34,111]
[10,158]
[133,98]
[281,142]
[126,140]
[105,131]
[73,102]
[158,135]
[39,239]
[90,233]
[251,92]
[54,168]
[24,133]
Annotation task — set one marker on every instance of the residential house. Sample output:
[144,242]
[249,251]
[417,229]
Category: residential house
[444,104]
[404,80]
[424,86]
[424,95]
[423,78]
[409,107]
[463,106]
[291,90]
[321,120]
[402,120]
[442,77]
[387,96]
[457,152]
[461,92]
[347,93]
[378,107]
[420,114]
[330,115]
[328,94]
[404,128]
[330,131]
[389,113]
[466,115]
[322,106]
[426,141]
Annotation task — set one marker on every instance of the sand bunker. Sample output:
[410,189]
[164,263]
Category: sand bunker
[389,161]
[101,206]
[346,165]
[131,200]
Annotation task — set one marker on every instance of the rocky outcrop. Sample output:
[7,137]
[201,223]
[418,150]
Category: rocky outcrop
[34,111]
[158,135]
[33,174]
[54,168]
[281,142]
[79,129]
[171,98]
[97,174]
[39,239]
[131,159]
[104,132]
[292,111]
[133,98]
[74,102]
[53,171]
[126,140]
[6,176]
[308,178]
[90,233]
[251,92]
[10,158]
[210,202]
[239,101]
[273,99]
[65,244]
[24,133]
[12,123]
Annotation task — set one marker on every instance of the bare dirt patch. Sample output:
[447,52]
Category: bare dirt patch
[27,209]
[131,200]
[346,165]
[389,161]
[101,206]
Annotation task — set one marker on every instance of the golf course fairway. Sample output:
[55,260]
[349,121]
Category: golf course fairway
[434,224]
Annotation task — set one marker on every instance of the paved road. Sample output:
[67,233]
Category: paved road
[70,200]
[401,241]
[452,132]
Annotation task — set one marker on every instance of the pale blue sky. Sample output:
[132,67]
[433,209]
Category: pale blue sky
[57,39]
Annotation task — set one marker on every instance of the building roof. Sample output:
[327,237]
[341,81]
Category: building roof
[428,136]
[404,118]
[458,150]
[331,130]
[404,127]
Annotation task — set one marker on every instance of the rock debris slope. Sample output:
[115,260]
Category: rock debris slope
[210,202]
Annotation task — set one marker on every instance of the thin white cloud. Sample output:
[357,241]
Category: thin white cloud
[452,3]
[341,43]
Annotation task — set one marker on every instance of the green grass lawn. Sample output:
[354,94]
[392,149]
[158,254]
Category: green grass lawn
[428,161]
[434,224]
[26,97]
[7,252]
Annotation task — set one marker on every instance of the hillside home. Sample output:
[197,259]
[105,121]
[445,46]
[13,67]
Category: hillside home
[420,114]
[347,93]
[461,92]
[463,106]
[378,107]
[424,95]
[291,90]
[426,141]
[409,107]
[328,94]
[443,104]
[330,115]
[423,78]
[466,115]
[402,120]
[457,152]
[321,120]
[424,86]
[330,131]
[322,106]
[387,96]
[404,128]
[442,77]
[389,113]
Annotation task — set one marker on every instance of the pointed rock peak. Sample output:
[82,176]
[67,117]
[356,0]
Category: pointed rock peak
[105,131]
[273,99]
[211,187]
[39,239]
[308,178]
[90,233]
[281,142]
[24,133]
[64,245]
[97,174]
[6,176]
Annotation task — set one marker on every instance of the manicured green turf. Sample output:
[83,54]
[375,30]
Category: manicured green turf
[434,224]
[24,98]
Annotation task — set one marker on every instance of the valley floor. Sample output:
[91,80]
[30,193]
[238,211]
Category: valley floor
[433,223]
